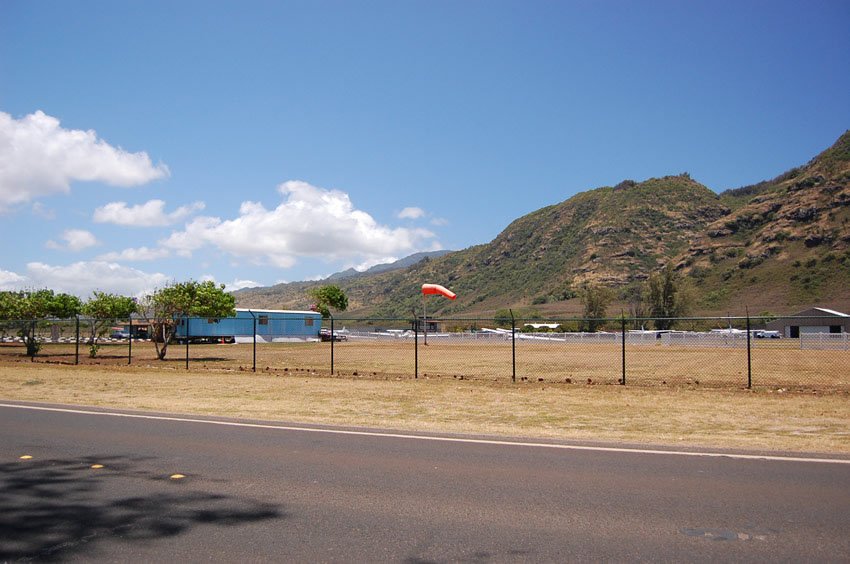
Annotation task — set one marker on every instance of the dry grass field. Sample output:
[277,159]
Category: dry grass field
[775,364]
[692,397]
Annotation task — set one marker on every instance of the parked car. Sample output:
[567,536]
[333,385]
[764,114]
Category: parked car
[120,335]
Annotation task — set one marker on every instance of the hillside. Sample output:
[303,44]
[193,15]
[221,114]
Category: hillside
[786,242]
[779,245]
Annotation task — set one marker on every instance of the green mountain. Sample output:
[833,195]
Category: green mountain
[785,244]
[779,245]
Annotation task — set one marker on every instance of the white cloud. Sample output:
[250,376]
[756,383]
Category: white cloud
[11,281]
[38,158]
[39,210]
[135,255]
[411,213]
[439,222]
[311,222]
[149,214]
[74,240]
[81,278]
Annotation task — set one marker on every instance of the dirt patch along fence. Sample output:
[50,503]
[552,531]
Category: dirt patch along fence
[707,352]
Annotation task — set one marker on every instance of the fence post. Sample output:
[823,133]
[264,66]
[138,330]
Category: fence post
[415,347]
[187,342]
[332,342]
[34,341]
[77,340]
[623,339]
[254,317]
[513,346]
[749,354]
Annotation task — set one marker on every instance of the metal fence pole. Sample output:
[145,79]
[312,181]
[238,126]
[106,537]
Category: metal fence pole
[187,342]
[130,345]
[77,340]
[255,339]
[332,343]
[415,347]
[34,341]
[749,354]
[513,346]
[623,339]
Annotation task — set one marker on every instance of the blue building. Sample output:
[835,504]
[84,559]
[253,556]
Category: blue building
[272,325]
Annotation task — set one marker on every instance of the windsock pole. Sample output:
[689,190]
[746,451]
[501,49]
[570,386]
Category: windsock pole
[424,319]
[433,289]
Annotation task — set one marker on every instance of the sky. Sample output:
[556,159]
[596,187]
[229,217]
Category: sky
[253,143]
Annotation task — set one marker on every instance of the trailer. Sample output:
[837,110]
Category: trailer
[272,325]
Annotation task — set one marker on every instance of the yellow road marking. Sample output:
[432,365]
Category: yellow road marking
[26,457]
[177,476]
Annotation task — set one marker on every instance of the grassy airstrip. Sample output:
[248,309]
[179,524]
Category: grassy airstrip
[800,400]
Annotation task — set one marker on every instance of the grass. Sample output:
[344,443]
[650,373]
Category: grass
[384,395]
[775,364]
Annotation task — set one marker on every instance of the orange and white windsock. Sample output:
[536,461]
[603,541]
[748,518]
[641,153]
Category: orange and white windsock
[428,289]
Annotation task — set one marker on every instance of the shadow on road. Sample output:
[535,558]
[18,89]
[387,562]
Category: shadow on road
[53,509]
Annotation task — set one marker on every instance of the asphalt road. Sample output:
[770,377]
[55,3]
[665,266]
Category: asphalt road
[253,494]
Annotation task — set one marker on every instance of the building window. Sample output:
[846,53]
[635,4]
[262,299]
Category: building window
[835,328]
[264,320]
[308,321]
[212,320]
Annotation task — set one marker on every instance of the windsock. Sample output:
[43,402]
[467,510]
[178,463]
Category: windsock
[428,289]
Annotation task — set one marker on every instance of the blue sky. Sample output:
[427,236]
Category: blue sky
[260,142]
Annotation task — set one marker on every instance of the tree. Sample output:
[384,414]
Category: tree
[596,300]
[668,297]
[326,297]
[25,307]
[636,297]
[165,308]
[105,309]
[503,318]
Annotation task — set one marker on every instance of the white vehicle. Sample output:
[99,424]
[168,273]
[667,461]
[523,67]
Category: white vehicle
[767,335]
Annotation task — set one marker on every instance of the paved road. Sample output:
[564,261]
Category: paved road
[273,494]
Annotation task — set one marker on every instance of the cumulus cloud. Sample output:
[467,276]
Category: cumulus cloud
[135,255]
[38,157]
[411,213]
[150,214]
[11,281]
[311,222]
[74,240]
[81,278]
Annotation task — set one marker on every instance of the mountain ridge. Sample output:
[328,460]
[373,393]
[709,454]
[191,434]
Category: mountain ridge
[778,245]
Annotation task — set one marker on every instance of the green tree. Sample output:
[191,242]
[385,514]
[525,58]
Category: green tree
[326,297]
[502,318]
[26,307]
[667,297]
[166,307]
[105,309]
[636,297]
[595,300]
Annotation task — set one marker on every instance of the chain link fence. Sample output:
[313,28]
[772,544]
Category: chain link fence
[729,352]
